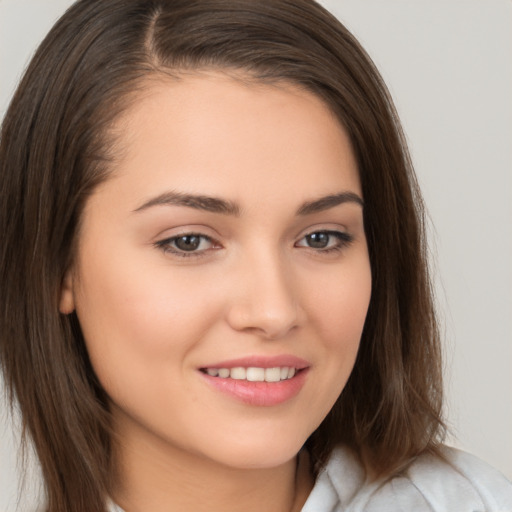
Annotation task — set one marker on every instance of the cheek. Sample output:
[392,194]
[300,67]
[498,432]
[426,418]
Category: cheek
[132,316]
[341,309]
[338,311]
[341,305]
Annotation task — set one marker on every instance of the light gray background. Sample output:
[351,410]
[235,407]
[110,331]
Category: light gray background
[447,64]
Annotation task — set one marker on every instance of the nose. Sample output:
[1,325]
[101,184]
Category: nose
[265,301]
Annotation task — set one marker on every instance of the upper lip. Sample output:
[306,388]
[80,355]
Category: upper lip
[259,361]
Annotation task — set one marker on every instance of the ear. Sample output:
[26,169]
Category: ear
[67,297]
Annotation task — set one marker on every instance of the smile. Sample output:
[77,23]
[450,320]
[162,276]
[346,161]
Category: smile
[258,380]
[253,374]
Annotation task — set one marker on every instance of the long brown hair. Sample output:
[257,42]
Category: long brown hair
[56,145]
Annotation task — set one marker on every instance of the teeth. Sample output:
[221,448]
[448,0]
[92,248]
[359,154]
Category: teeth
[253,374]
[238,373]
[272,374]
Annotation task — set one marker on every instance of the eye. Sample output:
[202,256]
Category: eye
[325,241]
[187,244]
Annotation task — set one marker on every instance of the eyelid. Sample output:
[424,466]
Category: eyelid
[327,227]
[183,229]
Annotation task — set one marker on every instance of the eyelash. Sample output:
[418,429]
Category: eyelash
[166,245]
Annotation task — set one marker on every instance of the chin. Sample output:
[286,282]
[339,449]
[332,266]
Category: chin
[268,453]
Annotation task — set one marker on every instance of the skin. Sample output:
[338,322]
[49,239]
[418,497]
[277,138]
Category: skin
[152,317]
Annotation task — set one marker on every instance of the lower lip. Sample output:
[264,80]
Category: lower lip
[264,394]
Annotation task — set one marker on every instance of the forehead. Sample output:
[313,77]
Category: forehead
[220,134]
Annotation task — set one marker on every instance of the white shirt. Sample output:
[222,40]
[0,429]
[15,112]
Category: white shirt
[463,484]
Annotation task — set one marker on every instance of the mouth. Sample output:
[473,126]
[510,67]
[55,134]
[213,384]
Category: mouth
[253,374]
[258,380]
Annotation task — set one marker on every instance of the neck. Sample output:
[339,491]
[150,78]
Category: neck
[163,478]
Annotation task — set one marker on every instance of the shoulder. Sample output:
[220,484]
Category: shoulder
[459,481]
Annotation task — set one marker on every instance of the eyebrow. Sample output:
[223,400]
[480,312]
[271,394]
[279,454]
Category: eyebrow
[199,202]
[222,206]
[327,202]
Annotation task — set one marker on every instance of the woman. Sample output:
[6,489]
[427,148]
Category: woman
[222,298]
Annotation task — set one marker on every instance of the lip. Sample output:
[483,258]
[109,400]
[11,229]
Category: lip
[262,394]
[263,362]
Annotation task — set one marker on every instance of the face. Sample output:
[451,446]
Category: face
[222,278]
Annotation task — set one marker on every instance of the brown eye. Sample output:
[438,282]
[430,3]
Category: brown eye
[318,240]
[187,242]
[325,241]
